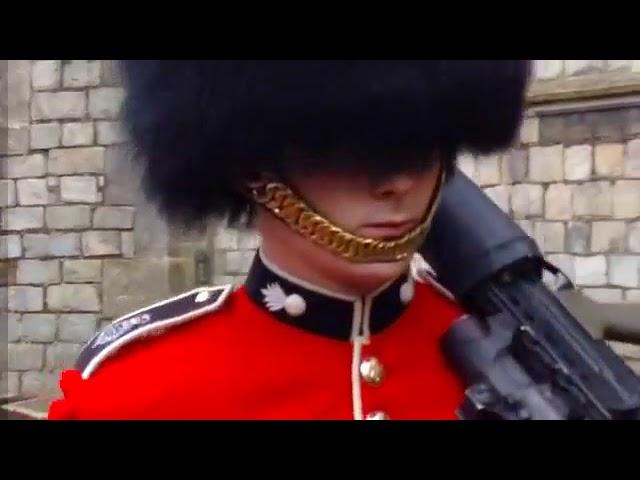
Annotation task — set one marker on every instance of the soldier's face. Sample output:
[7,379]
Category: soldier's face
[380,208]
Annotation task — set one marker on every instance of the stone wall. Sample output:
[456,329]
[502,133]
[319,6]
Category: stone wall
[80,246]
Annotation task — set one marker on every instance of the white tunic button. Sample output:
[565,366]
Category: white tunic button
[378,415]
[295,305]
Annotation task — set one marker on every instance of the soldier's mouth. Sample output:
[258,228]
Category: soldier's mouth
[387,230]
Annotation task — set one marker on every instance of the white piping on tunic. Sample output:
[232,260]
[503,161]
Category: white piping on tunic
[357,341]
[360,336]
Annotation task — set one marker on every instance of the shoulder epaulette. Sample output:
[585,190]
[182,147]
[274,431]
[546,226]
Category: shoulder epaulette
[151,320]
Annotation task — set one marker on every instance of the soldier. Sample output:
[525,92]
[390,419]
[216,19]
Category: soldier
[339,166]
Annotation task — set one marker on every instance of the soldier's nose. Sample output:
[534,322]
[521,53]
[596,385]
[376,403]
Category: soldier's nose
[392,186]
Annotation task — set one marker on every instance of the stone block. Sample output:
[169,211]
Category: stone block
[13,327]
[546,164]
[100,243]
[77,327]
[23,166]
[105,102]
[25,299]
[633,237]
[10,246]
[624,270]
[591,270]
[39,327]
[610,126]
[632,159]
[549,236]
[577,129]
[626,199]
[68,217]
[73,298]
[81,73]
[38,272]
[17,141]
[45,74]
[17,93]
[79,189]
[63,244]
[74,161]
[58,105]
[607,236]
[77,134]
[593,199]
[578,162]
[32,191]
[579,237]
[110,73]
[552,130]
[44,135]
[609,159]
[82,271]
[22,218]
[110,133]
[7,193]
[113,217]
[487,170]
[527,200]
[558,202]
[530,130]
[514,166]
[24,357]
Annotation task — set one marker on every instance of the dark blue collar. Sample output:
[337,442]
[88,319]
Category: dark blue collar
[302,305]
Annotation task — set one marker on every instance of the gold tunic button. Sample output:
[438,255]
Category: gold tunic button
[372,371]
[379,415]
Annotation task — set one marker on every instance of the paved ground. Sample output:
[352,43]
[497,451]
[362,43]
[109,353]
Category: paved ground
[13,408]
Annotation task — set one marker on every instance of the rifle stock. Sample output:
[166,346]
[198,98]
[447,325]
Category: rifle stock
[526,350]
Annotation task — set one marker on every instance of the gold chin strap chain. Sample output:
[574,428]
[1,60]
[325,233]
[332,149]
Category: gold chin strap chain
[282,202]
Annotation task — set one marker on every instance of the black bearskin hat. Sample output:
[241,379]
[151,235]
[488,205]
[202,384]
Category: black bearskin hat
[200,127]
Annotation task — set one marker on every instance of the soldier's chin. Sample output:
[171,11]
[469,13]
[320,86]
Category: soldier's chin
[367,277]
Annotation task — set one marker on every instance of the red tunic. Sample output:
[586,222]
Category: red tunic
[277,348]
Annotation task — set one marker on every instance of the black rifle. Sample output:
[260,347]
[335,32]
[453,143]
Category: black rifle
[521,349]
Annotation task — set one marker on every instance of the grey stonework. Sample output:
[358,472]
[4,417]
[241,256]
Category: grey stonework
[82,271]
[74,161]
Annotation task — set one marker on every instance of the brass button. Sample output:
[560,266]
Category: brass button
[378,415]
[372,371]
